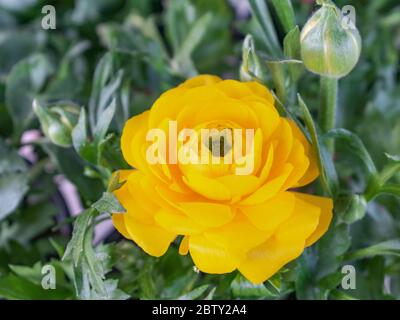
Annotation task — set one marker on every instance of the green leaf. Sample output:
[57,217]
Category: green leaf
[110,155]
[30,223]
[263,17]
[251,65]
[393,189]
[74,248]
[80,140]
[103,123]
[284,11]
[13,180]
[23,85]
[354,143]
[108,203]
[326,168]
[32,274]
[390,169]
[291,49]
[182,61]
[69,163]
[278,71]
[195,294]
[242,288]
[331,249]
[351,207]
[16,288]
[104,88]
[386,248]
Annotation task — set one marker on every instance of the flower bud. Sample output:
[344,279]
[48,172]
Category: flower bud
[57,122]
[328,46]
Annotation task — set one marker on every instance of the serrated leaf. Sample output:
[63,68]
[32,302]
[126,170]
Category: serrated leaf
[75,246]
[108,203]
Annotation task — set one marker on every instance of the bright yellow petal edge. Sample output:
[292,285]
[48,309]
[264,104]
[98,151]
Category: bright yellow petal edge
[254,223]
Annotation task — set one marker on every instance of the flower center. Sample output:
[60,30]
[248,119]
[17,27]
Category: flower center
[219,142]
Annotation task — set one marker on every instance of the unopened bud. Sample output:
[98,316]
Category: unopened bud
[57,122]
[329,47]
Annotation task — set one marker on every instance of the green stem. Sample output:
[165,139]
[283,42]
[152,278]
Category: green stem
[327,115]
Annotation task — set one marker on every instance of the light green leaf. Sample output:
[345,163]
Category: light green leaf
[390,248]
[108,203]
[291,49]
[75,247]
[104,121]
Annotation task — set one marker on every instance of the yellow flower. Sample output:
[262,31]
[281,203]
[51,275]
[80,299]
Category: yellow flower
[250,222]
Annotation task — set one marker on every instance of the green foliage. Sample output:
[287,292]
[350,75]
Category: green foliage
[108,61]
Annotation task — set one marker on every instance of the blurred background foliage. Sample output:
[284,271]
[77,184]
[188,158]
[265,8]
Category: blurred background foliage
[109,60]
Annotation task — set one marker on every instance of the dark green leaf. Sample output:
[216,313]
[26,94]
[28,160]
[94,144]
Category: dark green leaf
[23,85]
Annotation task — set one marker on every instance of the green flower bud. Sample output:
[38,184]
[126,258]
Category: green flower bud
[57,122]
[329,46]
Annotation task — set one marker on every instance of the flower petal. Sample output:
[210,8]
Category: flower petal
[119,224]
[208,214]
[301,224]
[211,258]
[239,235]
[177,222]
[184,246]
[269,215]
[207,187]
[326,207]
[133,126]
[269,189]
[265,260]
[151,238]
[200,80]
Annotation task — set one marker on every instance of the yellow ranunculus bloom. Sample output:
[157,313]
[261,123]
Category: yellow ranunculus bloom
[228,221]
